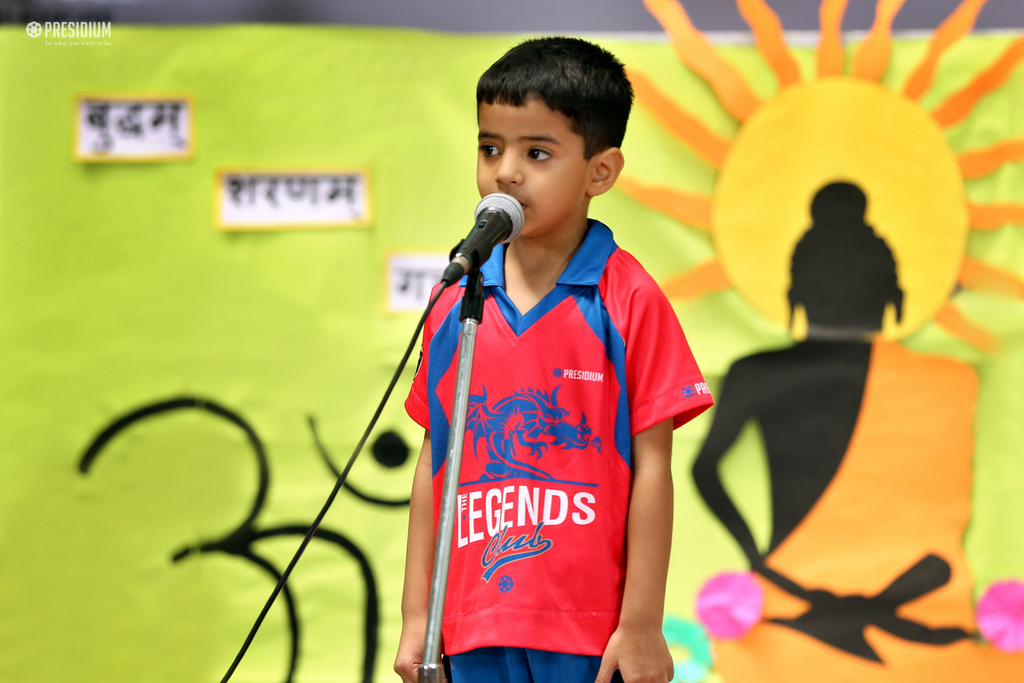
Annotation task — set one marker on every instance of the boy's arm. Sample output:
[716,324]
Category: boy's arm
[637,648]
[419,564]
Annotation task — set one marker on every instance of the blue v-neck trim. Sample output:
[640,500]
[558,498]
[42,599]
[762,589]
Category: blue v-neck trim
[584,269]
[520,323]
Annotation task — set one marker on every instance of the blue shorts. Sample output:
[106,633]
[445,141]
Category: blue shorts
[521,665]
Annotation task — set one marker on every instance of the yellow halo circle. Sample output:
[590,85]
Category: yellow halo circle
[841,129]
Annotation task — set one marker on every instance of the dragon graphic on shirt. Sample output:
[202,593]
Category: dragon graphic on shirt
[524,425]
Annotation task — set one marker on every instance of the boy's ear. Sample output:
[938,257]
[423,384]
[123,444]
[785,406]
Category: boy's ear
[606,166]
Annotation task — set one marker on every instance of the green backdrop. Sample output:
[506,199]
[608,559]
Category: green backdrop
[116,292]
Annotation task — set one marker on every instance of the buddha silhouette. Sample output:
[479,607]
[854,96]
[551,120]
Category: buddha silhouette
[869,448]
[843,274]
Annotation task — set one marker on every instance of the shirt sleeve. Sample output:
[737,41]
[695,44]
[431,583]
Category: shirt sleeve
[416,403]
[662,377]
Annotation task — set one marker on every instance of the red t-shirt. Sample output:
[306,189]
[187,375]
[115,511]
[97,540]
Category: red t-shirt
[538,551]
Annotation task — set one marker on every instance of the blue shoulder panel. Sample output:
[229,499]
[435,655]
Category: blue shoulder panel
[592,307]
[443,347]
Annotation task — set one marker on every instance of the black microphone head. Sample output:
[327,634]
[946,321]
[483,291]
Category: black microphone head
[509,206]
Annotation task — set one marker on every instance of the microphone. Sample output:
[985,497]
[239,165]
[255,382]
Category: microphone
[499,219]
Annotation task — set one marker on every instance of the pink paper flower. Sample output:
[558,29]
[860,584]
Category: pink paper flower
[1001,615]
[730,604]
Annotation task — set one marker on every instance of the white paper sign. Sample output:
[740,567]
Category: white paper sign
[410,277]
[266,199]
[133,128]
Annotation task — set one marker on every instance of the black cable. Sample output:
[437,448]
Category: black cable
[337,487]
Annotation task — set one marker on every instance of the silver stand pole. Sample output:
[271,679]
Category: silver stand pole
[431,670]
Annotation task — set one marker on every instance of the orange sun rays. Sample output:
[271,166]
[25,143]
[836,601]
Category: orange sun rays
[696,51]
[705,278]
[952,320]
[869,61]
[982,277]
[690,209]
[708,145]
[994,216]
[959,104]
[979,163]
[956,26]
[830,54]
[975,274]
[770,40]
[871,57]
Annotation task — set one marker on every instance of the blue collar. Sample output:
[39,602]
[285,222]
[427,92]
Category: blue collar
[584,269]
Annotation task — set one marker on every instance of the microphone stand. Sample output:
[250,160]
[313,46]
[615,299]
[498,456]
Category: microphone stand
[470,314]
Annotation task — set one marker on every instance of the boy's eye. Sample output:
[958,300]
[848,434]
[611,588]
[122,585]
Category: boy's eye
[538,154]
[488,150]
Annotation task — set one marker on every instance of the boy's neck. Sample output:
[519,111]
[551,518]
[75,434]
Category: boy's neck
[533,265]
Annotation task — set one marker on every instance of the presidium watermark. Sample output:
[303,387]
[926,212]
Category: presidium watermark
[71,32]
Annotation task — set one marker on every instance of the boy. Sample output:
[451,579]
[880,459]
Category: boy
[564,515]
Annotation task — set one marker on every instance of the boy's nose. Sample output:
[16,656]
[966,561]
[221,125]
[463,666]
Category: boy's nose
[509,172]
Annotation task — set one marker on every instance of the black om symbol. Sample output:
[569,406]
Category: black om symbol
[389,450]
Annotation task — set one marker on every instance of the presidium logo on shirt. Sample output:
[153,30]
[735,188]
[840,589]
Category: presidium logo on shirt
[698,389]
[524,425]
[583,375]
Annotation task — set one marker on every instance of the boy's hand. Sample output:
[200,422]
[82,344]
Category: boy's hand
[637,648]
[410,649]
[640,655]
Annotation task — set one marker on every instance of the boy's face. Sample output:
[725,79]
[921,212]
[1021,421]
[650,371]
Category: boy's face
[532,153]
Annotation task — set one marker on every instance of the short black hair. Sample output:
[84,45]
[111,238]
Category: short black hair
[581,80]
